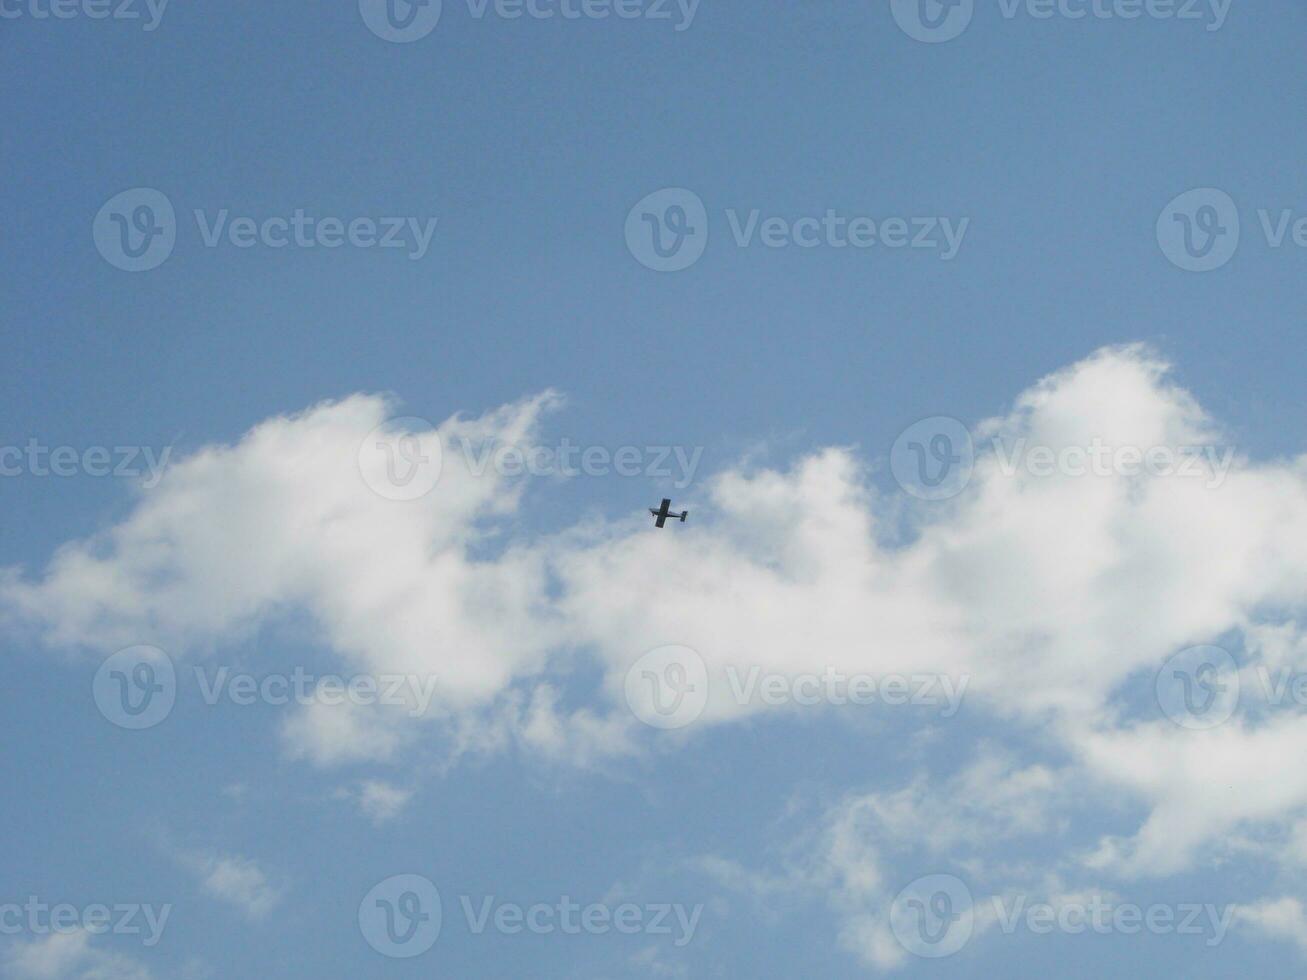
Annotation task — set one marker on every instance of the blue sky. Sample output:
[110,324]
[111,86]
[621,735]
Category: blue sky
[1053,147]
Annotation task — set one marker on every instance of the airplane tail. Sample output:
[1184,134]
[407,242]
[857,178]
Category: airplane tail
[684,515]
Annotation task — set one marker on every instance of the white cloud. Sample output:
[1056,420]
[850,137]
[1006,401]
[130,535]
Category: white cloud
[380,801]
[69,956]
[238,881]
[1282,918]
[1057,596]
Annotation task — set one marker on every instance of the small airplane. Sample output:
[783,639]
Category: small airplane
[664,512]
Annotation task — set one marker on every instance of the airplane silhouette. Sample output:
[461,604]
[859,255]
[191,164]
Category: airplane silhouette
[664,512]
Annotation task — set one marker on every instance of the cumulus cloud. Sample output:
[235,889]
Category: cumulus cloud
[1058,595]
